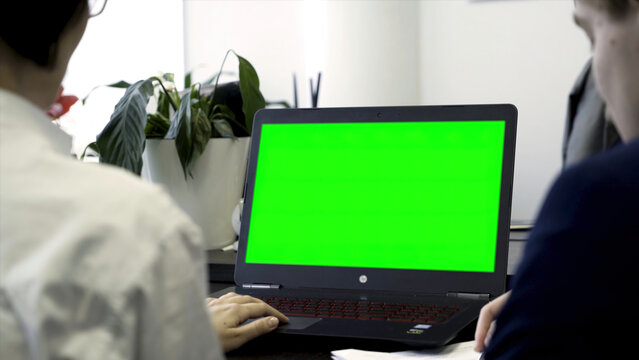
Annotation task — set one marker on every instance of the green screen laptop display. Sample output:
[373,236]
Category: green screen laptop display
[400,195]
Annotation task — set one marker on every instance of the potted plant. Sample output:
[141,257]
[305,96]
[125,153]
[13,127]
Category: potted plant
[195,143]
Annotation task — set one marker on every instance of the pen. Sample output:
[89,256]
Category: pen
[295,91]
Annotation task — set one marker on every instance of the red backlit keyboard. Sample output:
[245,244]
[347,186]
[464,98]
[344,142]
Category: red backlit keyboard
[363,310]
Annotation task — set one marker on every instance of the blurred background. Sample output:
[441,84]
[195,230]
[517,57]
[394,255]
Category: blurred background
[370,53]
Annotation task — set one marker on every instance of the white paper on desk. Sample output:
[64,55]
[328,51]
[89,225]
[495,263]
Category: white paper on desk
[459,351]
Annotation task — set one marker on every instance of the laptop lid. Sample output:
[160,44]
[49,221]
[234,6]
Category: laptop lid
[404,199]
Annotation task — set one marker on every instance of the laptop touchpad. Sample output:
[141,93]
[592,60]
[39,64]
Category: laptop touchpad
[298,323]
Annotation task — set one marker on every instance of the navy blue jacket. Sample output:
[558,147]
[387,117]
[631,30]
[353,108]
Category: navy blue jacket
[575,292]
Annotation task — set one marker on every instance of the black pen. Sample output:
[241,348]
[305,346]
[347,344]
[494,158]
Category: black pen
[295,91]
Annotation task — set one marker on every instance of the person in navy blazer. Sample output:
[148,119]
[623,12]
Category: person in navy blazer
[573,294]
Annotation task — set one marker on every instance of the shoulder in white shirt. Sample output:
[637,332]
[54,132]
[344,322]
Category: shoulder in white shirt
[94,263]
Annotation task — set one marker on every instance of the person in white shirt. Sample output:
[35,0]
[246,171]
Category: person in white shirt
[94,263]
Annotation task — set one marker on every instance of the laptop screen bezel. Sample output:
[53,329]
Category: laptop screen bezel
[399,280]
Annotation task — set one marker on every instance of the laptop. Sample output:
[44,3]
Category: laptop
[386,223]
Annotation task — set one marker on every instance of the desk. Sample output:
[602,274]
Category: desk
[277,346]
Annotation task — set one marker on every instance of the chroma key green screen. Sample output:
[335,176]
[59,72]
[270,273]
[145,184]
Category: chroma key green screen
[403,195]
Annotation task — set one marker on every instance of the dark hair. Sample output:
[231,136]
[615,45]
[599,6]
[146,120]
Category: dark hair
[32,29]
[615,8]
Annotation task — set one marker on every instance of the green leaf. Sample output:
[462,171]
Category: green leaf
[157,125]
[121,142]
[201,135]
[195,92]
[252,99]
[183,111]
[221,109]
[191,130]
[175,96]
[171,100]
[164,103]
[93,146]
[169,77]
[223,112]
[223,128]
[181,131]
[120,85]
[187,80]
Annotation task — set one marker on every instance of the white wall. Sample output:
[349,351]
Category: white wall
[264,32]
[525,52]
[367,50]
[372,54]
[131,40]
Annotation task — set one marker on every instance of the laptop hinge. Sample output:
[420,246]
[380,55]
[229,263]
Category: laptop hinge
[260,286]
[477,296]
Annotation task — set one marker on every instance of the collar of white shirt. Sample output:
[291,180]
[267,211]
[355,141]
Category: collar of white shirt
[16,112]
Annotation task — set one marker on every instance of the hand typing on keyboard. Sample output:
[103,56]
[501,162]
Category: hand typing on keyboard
[231,310]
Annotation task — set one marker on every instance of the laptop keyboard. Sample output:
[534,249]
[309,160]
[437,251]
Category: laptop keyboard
[363,310]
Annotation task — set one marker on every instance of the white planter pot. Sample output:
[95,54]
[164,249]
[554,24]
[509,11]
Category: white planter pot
[213,192]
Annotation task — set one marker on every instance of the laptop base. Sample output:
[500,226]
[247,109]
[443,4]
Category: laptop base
[414,334]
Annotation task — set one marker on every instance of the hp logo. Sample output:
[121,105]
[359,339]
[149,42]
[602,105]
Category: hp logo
[363,279]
